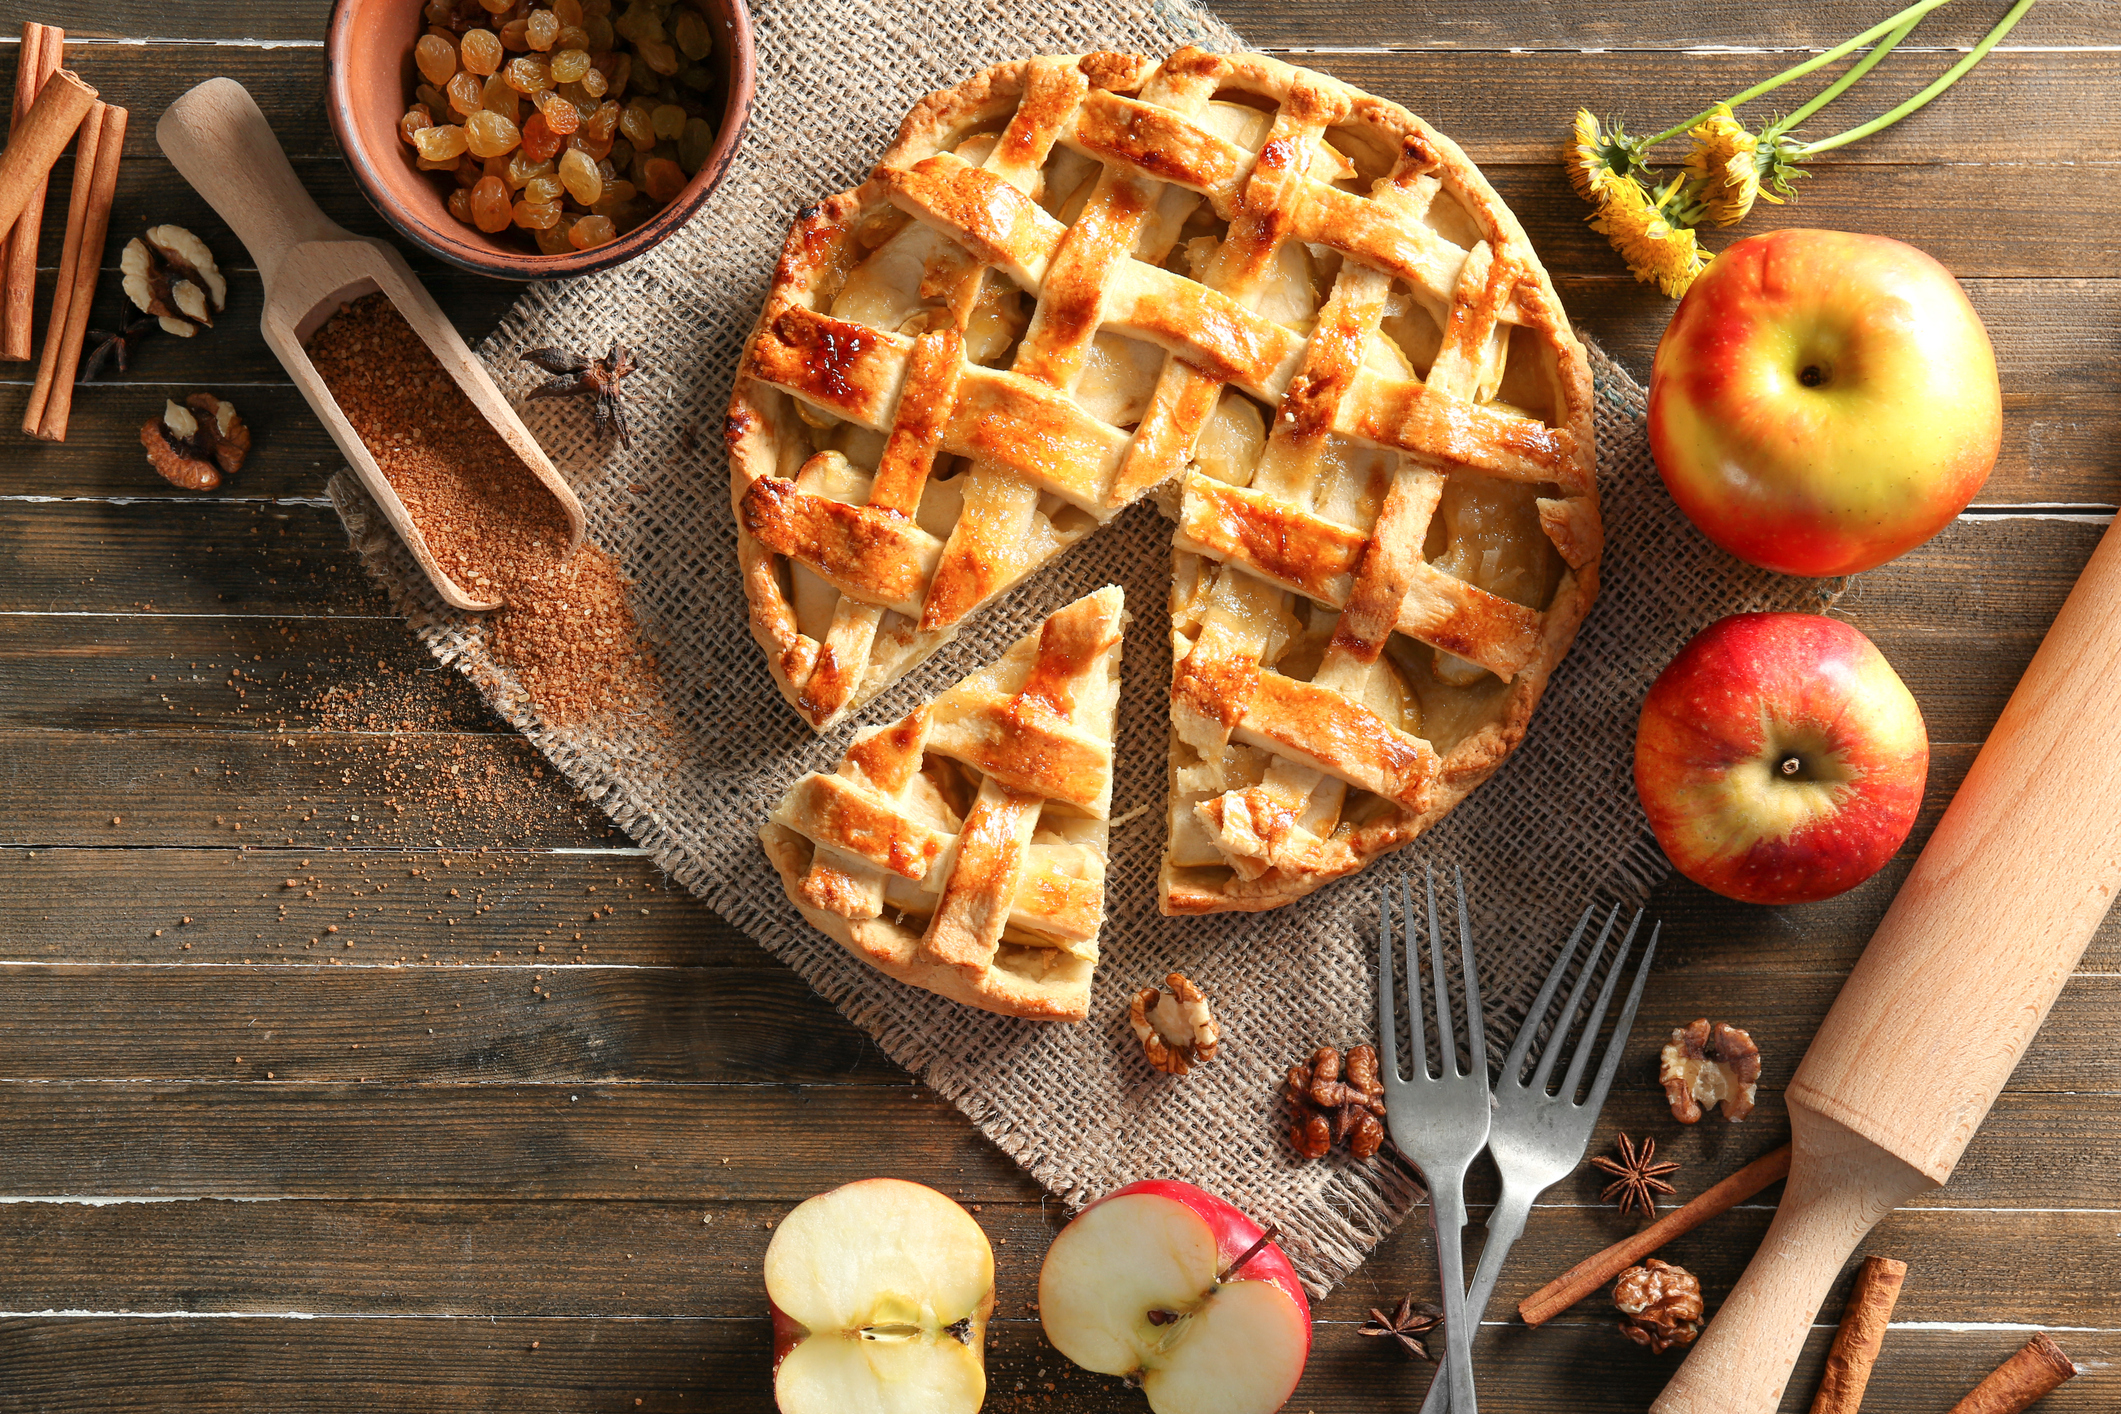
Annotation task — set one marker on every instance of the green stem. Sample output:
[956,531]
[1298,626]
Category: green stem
[1841,85]
[1839,51]
[1944,81]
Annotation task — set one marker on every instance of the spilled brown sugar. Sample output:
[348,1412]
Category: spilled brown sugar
[566,630]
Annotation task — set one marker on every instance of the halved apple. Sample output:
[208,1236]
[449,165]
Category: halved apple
[1181,1293]
[880,1293]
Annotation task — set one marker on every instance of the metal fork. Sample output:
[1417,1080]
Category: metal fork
[1537,1139]
[1439,1122]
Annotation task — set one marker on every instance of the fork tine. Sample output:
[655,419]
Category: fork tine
[1419,1061]
[1514,1065]
[1588,1038]
[1563,1023]
[1387,1006]
[1476,1020]
[1440,990]
[1596,1099]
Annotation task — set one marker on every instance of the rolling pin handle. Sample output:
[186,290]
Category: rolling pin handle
[220,143]
[1837,1195]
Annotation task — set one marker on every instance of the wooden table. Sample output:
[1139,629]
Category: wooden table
[287,1124]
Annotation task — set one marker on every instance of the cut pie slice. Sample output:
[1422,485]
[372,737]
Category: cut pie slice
[962,848]
[1292,313]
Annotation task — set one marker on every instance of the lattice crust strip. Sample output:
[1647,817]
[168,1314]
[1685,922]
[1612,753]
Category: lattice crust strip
[1289,309]
[963,847]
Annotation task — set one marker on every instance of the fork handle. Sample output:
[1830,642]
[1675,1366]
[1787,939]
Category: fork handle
[1505,1225]
[1447,1217]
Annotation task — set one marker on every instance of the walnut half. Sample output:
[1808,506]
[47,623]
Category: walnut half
[196,442]
[1660,1305]
[1704,1065]
[1176,1029]
[170,274]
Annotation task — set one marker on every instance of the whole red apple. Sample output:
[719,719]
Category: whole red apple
[1780,758]
[1176,1289]
[1823,401]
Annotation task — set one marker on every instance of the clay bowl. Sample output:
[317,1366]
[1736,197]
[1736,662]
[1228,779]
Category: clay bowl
[368,82]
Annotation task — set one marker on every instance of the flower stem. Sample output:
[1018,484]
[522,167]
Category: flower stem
[1944,81]
[1839,51]
[1841,85]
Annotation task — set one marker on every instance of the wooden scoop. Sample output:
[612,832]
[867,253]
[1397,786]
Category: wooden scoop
[218,139]
[1958,977]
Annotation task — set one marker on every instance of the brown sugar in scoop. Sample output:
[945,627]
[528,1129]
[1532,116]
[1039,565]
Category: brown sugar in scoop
[565,626]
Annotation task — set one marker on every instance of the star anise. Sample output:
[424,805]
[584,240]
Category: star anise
[597,378]
[1404,1324]
[106,346]
[1638,1178]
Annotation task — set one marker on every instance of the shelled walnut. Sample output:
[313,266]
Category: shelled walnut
[1660,1305]
[170,274]
[1335,1103]
[1704,1064]
[196,442]
[1175,1028]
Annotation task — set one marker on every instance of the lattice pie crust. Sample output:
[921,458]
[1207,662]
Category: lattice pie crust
[962,849]
[1288,310]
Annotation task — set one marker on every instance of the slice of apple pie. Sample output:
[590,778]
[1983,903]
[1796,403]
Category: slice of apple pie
[962,848]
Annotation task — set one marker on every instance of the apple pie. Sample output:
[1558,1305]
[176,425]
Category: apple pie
[962,848]
[1291,313]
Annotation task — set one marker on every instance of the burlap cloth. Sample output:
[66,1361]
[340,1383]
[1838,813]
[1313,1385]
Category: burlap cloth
[1077,1106]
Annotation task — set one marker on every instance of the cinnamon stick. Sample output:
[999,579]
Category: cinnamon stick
[1856,1343]
[2037,1368]
[51,400]
[42,49]
[1594,1272]
[34,145]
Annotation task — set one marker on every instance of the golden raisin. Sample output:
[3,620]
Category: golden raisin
[591,231]
[560,115]
[529,73]
[463,93]
[460,204]
[695,144]
[537,216]
[497,97]
[489,205]
[416,118]
[490,135]
[662,179]
[693,36]
[637,122]
[581,178]
[541,28]
[441,143]
[480,51]
[668,120]
[436,58]
[569,65]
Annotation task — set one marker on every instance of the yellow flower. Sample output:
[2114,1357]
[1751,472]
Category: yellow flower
[1658,252]
[1725,168]
[1599,160]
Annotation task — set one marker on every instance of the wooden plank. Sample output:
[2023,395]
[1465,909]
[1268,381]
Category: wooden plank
[526,1019]
[88,1364]
[1641,24]
[260,788]
[648,1259]
[1513,103]
[132,672]
[531,1020]
[81,915]
[2060,367]
[1528,23]
[784,1142]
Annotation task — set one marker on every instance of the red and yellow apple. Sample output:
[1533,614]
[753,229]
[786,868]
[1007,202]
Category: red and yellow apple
[880,1292]
[1180,1292]
[1822,402]
[1780,758]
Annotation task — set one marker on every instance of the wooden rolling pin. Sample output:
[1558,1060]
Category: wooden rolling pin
[1958,977]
